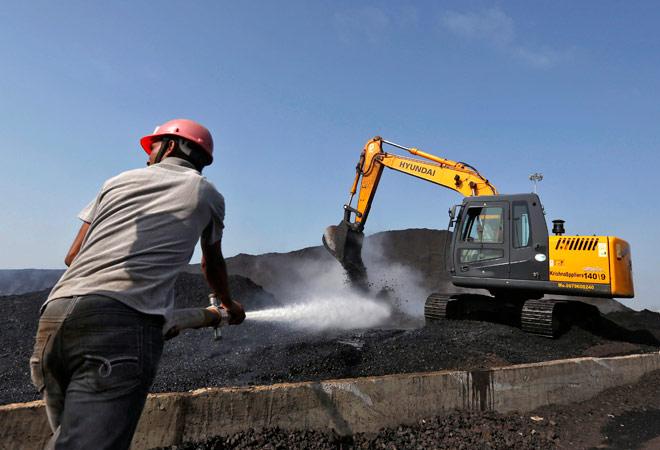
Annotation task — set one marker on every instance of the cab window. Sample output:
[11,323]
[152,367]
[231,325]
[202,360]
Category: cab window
[482,254]
[521,228]
[484,225]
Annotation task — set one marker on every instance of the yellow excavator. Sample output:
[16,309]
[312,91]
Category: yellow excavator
[499,243]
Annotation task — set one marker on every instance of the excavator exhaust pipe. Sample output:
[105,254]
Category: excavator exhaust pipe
[345,244]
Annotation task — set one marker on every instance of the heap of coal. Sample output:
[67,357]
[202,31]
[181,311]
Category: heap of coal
[623,417]
[20,315]
[458,430]
[259,353]
[421,250]
[21,281]
[192,291]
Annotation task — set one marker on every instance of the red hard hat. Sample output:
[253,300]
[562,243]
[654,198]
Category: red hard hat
[185,128]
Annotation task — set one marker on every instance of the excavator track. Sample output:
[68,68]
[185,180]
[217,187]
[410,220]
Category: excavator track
[539,317]
[437,306]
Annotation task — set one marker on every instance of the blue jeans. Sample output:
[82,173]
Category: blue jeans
[94,361]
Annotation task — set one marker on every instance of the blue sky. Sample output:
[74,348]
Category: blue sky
[292,90]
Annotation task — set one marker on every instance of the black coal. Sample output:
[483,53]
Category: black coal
[262,353]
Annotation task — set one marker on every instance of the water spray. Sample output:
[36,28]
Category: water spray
[345,311]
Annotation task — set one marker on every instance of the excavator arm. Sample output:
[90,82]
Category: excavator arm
[344,241]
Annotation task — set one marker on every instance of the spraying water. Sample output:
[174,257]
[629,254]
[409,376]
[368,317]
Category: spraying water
[317,297]
[342,311]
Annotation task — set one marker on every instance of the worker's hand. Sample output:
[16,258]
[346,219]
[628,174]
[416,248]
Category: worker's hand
[215,313]
[236,313]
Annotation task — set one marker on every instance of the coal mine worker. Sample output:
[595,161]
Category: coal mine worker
[100,334]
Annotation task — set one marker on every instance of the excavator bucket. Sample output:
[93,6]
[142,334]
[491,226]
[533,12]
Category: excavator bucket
[345,244]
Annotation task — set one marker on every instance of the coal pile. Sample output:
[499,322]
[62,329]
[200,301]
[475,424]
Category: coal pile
[422,250]
[261,354]
[624,417]
[417,256]
[21,281]
[459,430]
[265,352]
[20,316]
[191,291]
[644,320]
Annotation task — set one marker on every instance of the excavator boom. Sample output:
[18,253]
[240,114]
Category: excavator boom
[344,241]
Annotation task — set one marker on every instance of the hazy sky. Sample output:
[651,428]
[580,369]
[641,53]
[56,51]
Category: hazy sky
[293,89]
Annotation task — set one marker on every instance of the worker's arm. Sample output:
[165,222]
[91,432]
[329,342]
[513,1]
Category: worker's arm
[77,243]
[215,272]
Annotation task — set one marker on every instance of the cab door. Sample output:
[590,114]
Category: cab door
[480,241]
[529,243]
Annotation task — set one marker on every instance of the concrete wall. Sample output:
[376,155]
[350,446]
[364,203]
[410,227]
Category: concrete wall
[350,405]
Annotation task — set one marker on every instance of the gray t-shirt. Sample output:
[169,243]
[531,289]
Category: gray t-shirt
[144,226]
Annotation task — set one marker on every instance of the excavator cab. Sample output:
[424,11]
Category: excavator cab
[500,243]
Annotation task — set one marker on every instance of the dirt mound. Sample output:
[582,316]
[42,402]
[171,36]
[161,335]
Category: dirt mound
[459,430]
[624,417]
[421,250]
[638,320]
[192,291]
[279,271]
[262,352]
[21,281]
[410,257]
[20,315]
